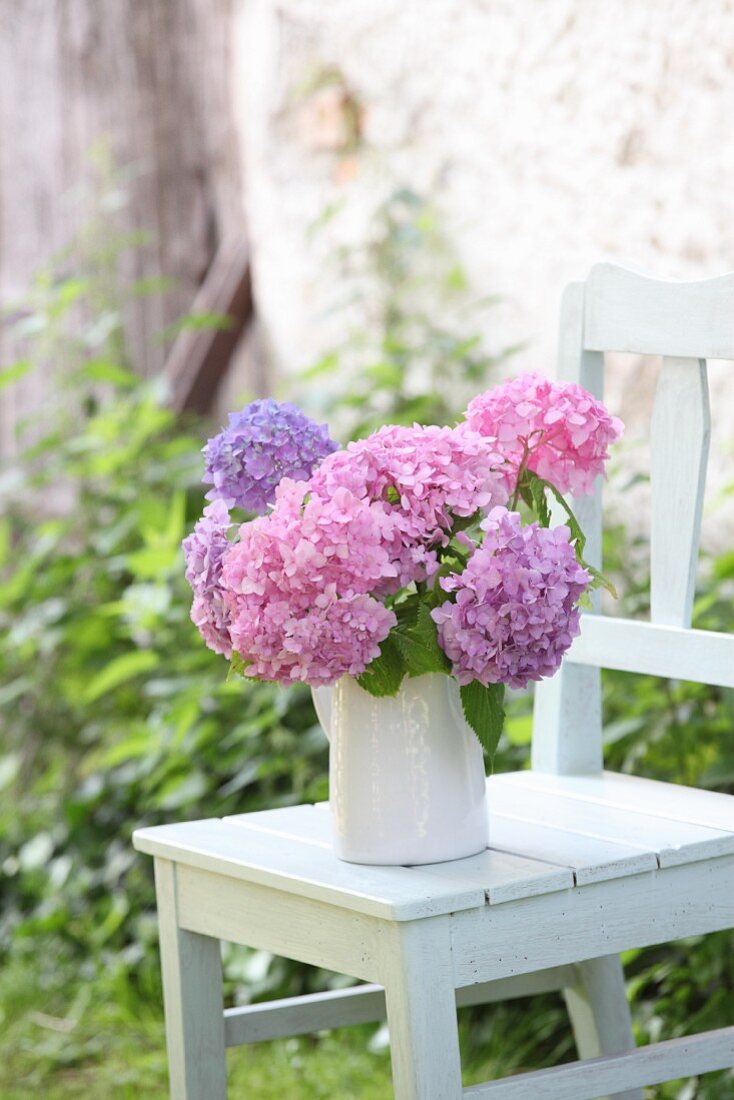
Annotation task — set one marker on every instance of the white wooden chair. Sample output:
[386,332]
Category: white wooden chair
[583,864]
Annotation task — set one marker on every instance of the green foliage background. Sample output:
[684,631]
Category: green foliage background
[116,716]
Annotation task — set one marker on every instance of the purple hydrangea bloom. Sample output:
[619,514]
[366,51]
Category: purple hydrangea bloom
[262,444]
[515,612]
[204,550]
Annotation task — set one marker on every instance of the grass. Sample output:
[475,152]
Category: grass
[63,1038]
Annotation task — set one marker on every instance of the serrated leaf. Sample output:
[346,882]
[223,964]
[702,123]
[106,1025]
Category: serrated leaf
[406,611]
[419,645]
[384,675]
[484,711]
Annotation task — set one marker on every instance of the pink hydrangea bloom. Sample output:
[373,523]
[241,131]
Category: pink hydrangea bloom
[563,427]
[297,582]
[422,478]
[204,550]
[515,612]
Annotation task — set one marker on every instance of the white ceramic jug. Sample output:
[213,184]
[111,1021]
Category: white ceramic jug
[406,773]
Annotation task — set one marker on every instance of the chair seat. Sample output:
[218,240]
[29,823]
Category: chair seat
[547,833]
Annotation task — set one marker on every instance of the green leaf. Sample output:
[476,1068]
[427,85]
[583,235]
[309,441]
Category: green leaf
[203,322]
[101,370]
[325,365]
[598,580]
[537,487]
[237,666]
[119,671]
[406,611]
[419,645]
[384,675]
[573,524]
[463,523]
[14,372]
[485,713]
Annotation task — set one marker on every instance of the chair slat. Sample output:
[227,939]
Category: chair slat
[567,713]
[592,858]
[602,811]
[232,848]
[503,876]
[632,794]
[308,870]
[614,1073]
[701,656]
[629,312]
[681,429]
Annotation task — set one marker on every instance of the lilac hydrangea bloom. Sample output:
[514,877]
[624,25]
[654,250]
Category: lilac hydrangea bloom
[262,444]
[515,613]
[204,550]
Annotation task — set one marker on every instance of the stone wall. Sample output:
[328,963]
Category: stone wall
[550,134]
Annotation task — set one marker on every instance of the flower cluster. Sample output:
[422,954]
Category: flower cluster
[424,478]
[558,429]
[204,550]
[297,586]
[419,514]
[261,445]
[515,613]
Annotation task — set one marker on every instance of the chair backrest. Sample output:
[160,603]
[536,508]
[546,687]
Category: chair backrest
[618,310]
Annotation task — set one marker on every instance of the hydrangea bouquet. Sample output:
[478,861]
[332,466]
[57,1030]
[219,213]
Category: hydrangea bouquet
[415,550]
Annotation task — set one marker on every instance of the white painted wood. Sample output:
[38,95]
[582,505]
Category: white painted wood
[361,1004]
[365,1004]
[421,1010]
[589,921]
[308,823]
[503,877]
[531,797]
[702,656]
[314,932]
[651,1065]
[192,996]
[631,793]
[307,870]
[567,709]
[591,858]
[630,312]
[681,430]
[567,737]
[311,870]
[600,1017]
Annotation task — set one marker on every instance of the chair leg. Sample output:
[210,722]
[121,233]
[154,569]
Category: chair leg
[600,1014]
[192,996]
[421,1010]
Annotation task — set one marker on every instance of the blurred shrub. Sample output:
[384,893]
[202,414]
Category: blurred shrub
[115,715]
